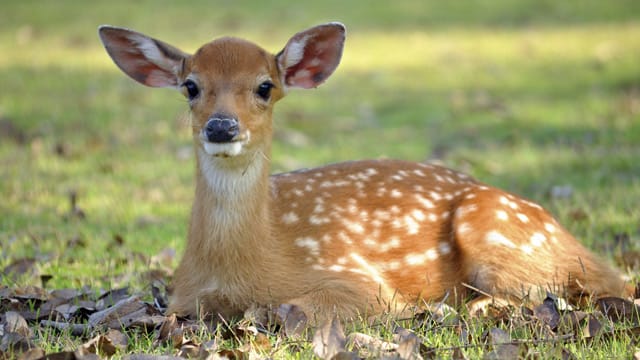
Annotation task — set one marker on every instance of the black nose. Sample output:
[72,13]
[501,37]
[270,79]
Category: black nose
[221,129]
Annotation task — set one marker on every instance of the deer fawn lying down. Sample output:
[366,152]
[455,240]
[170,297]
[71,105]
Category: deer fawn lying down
[359,236]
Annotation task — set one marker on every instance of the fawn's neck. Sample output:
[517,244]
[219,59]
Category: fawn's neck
[232,204]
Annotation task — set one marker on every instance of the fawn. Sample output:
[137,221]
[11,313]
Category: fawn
[353,237]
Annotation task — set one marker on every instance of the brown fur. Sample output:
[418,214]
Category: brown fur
[360,236]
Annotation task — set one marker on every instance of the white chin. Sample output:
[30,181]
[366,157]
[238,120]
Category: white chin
[224,150]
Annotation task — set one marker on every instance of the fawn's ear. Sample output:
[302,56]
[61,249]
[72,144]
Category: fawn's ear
[148,61]
[311,56]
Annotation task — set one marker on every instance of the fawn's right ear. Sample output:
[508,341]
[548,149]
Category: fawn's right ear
[148,61]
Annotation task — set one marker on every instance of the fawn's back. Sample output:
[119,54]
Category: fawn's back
[352,237]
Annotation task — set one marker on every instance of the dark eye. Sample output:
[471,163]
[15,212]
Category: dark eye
[192,89]
[264,90]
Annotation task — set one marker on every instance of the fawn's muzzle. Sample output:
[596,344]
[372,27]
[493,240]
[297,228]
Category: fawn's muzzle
[221,129]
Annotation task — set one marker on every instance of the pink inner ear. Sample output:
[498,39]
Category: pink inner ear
[321,55]
[145,60]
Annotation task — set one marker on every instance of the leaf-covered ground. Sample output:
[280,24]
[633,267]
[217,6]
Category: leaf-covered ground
[106,323]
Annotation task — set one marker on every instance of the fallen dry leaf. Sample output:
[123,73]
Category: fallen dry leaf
[18,268]
[457,354]
[122,314]
[107,344]
[592,328]
[409,345]
[166,329]
[618,309]
[547,312]
[112,297]
[329,339]
[572,322]
[15,343]
[150,357]
[292,319]
[32,354]
[15,323]
[360,341]
[560,352]
[502,346]
[74,329]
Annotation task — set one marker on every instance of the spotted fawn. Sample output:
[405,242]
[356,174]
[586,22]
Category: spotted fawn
[359,237]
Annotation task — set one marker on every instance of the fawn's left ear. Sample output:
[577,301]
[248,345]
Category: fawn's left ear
[311,56]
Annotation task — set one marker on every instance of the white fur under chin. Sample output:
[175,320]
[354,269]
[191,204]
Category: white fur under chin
[226,149]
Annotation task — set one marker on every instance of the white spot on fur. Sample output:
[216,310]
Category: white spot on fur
[371,172]
[336,268]
[435,196]
[318,220]
[522,217]
[367,268]
[290,218]
[393,243]
[310,244]
[369,242]
[419,172]
[464,210]
[504,200]
[502,215]
[319,208]
[496,238]
[420,258]
[393,265]
[444,248]
[537,239]
[342,236]
[464,228]
[354,227]
[414,259]
[395,193]
[550,228]
[527,249]
[381,215]
[534,205]
[412,226]
[428,204]
[418,215]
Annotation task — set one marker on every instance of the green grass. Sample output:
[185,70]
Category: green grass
[524,95]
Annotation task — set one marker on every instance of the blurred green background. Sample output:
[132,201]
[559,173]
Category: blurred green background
[539,97]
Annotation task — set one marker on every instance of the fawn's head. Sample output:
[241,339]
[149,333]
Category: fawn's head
[231,84]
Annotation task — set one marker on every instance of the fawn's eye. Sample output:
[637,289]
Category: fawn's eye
[264,90]
[192,89]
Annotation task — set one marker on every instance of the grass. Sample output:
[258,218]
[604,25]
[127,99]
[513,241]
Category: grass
[525,95]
